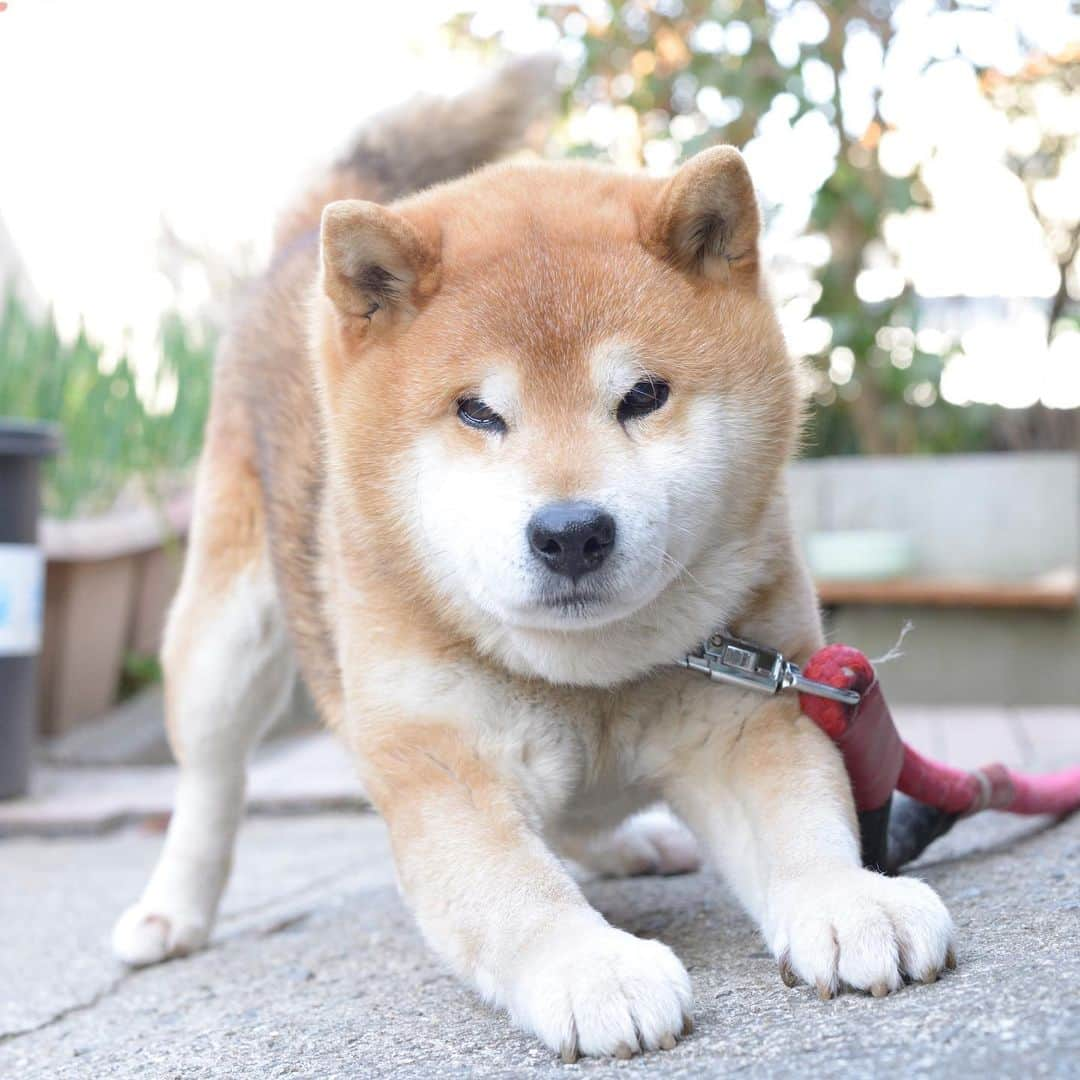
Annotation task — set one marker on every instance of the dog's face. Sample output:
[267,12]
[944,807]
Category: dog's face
[552,392]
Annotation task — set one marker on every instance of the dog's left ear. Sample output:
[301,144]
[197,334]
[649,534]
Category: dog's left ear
[376,264]
[705,220]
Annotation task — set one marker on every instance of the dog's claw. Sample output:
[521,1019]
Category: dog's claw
[931,976]
[569,1053]
[623,1052]
[787,976]
[879,989]
[667,1042]
[824,991]
[950,959]
[687,1025]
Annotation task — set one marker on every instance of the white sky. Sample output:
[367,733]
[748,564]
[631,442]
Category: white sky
[117,114]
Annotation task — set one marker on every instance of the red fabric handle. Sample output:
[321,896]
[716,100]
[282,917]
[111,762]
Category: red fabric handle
[1048,793]
[955,791]
[992,787]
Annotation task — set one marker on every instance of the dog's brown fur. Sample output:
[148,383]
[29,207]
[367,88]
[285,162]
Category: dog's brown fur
[263,420]
[485,743]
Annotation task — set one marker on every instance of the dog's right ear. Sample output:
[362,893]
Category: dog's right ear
[375,263]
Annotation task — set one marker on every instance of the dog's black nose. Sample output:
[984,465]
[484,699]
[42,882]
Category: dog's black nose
[571,538]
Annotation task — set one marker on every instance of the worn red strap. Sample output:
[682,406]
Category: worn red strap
[878,761]
[865,733]
[871,747]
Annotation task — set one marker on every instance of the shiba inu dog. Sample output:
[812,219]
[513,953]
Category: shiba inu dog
[486,455]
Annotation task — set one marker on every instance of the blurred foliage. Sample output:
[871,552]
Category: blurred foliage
[140,670]
[1039,152]
[120,432]
[666,78]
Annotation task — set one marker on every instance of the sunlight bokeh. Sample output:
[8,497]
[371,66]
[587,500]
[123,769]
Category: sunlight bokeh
[122,121]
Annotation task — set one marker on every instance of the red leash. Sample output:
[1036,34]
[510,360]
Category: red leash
[879,762]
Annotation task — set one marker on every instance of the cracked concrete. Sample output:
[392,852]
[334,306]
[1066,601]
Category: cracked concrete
[316,969]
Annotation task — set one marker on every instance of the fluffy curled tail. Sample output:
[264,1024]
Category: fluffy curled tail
[427,140]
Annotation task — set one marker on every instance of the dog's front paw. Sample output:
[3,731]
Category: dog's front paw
[146,935]
[599,991]
[859,929]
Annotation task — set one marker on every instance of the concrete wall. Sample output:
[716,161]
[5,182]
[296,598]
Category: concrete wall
[1000,516]
[969,657]
[971,515]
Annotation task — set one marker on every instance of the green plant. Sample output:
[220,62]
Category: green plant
[1045,138]
[119,429]
[140,670]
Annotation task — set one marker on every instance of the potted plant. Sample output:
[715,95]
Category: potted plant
[116,501]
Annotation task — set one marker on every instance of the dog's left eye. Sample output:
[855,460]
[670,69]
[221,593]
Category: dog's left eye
[643,398]
[479,414]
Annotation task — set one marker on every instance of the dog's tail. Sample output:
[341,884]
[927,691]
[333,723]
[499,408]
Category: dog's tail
[427,140]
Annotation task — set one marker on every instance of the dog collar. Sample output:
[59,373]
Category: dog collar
[745,663]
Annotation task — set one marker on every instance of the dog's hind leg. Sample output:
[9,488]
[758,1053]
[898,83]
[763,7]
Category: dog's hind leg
[653,841]
[228,672]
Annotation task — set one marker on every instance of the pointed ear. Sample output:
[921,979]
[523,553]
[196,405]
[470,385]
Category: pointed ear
[374,260]
[705,220]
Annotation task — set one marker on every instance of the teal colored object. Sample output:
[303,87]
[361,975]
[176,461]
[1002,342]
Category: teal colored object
[860,555]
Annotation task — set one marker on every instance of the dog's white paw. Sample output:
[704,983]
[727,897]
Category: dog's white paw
[859,929]
[146,935]
[599,991]
[652,842]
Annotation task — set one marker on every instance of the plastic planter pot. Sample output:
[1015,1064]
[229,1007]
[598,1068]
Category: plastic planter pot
[22,576]
[125,563]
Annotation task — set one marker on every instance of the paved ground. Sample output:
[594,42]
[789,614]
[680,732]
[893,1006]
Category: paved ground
[317,971]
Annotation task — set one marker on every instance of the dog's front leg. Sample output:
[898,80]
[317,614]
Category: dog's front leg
[771,800]
[497,904]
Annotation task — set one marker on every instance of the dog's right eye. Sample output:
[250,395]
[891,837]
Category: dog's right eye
[643,398]
[479,414]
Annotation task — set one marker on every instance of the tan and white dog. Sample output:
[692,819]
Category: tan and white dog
[484,461]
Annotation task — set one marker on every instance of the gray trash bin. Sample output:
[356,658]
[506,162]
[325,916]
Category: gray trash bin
[22,592]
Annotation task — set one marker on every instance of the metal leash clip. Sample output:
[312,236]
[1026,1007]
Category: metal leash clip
[745,663]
